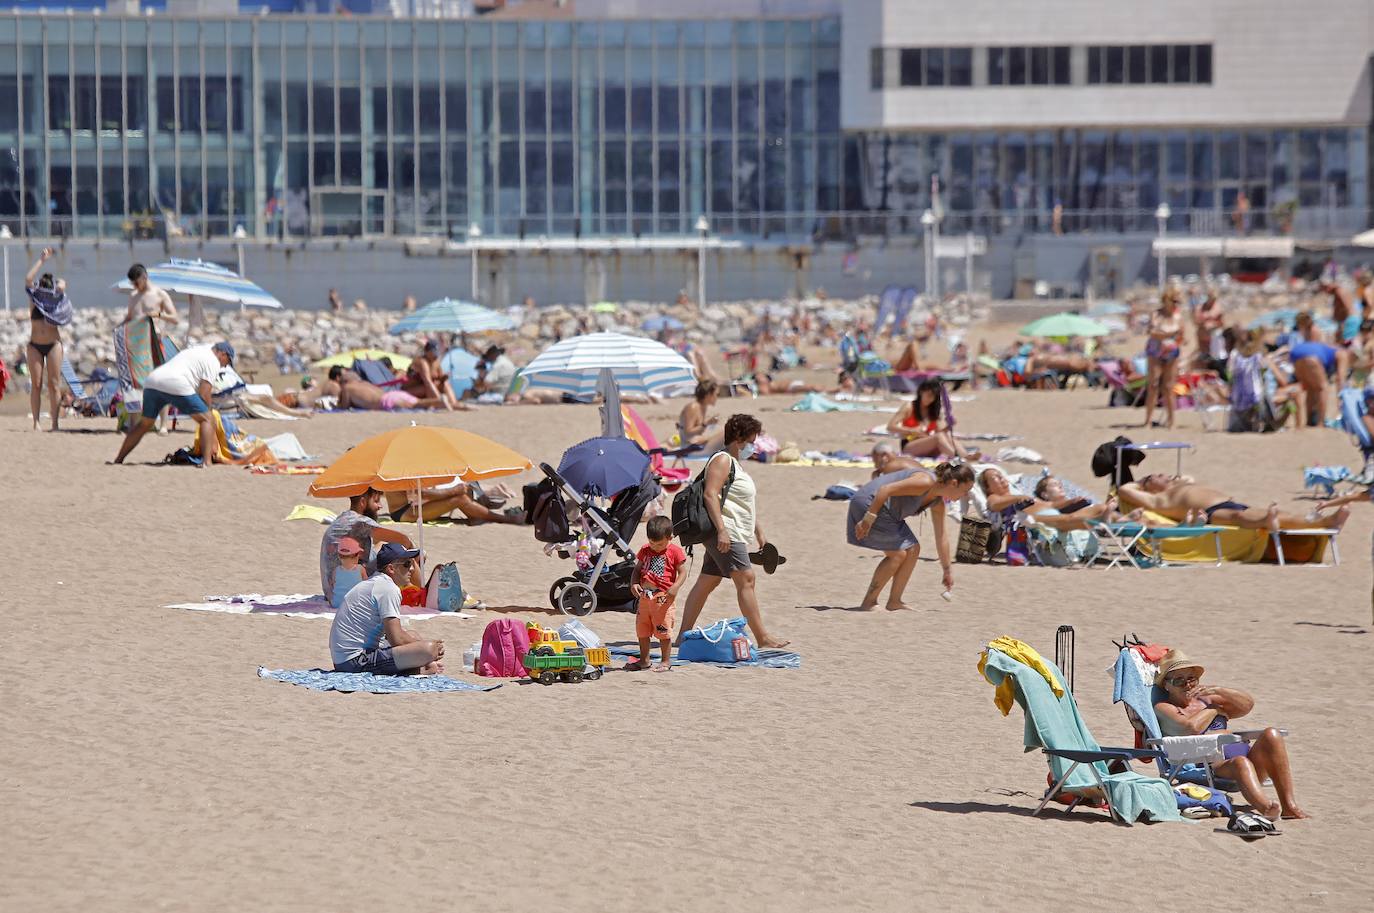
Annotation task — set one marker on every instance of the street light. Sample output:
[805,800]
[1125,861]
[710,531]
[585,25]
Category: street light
[928,223]
[474,232]
[240,235]
[5,236]
[1162,214]
[703,228]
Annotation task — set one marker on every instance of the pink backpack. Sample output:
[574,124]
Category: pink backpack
[504,644]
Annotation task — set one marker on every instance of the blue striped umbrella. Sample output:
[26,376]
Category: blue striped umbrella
[1286,318]
[203,279]
[639,365]
[448,315]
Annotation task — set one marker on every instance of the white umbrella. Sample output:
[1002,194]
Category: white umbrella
[1364,239]
[639,365]
[452,316]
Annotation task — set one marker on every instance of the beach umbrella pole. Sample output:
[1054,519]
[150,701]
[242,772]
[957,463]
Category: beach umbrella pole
[420,526]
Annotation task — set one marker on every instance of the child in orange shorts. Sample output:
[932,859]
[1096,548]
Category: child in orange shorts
[657,578]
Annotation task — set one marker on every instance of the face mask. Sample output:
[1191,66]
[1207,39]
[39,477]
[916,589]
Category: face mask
[746,451]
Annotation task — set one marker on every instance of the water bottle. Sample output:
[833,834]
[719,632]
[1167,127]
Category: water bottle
[470,657]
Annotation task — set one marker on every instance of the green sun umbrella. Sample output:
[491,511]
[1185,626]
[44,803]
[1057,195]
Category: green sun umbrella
[1063,325]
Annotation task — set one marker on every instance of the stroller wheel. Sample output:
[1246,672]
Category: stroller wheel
[555,591]
[576,599]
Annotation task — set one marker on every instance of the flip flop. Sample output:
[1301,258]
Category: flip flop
[1251,826]
[767,558]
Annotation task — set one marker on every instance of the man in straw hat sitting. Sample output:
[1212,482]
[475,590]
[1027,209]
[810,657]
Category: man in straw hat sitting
[1191,708]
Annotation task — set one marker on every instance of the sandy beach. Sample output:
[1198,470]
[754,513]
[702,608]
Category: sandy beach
[147,767]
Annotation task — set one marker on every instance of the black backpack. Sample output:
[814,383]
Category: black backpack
[549,516]
[691,522]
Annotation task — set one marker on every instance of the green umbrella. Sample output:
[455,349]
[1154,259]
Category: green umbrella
[605,307]
[1064,325]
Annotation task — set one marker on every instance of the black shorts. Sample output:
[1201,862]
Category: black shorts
[378,662]
[723,564]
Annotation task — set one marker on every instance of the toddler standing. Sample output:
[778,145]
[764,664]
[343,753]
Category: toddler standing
[655,583]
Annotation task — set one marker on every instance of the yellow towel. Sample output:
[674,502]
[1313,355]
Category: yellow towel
[311,512]
[1005,695]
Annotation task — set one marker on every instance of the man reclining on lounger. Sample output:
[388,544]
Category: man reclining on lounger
[1184,500]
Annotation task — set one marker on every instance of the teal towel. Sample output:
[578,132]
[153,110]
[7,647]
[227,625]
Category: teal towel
[1053,722]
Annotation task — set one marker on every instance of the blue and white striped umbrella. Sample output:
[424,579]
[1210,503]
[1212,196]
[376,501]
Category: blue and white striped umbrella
[448,315]
[639,365]
[203,279]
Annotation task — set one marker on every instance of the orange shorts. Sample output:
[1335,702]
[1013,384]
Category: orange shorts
[655,619]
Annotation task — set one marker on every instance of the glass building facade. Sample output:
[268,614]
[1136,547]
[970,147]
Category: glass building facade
[295,126]
[304,125]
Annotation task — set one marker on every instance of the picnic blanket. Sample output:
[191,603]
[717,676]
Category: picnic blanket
[768,659]
[819,402]
[294,605]
[325,680]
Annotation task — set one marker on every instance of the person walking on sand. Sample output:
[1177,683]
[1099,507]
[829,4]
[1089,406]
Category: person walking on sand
[49,311]
[731,500]
[877,519]
[186,382]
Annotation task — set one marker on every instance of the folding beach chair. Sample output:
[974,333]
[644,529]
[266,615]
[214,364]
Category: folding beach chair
[376,373]
[1181,759]
[1050,547]
[1078,765]
[1137,545]
[1123,392]
[95,395]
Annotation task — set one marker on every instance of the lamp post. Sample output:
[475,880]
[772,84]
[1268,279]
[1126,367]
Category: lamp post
[928,223]
[240,235]
[474,232]
[703,228]
[1162,214]
[5,236]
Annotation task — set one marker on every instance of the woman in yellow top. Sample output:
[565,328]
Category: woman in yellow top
[732,504]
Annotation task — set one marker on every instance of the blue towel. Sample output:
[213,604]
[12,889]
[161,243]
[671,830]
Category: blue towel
[768,659]
[1324,477]
[1135,693]
[323,680]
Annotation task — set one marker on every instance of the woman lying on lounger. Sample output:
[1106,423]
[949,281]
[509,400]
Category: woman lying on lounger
[1190,708]
[1051,506]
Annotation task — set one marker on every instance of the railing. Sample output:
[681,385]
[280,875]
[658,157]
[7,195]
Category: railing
[1328,223]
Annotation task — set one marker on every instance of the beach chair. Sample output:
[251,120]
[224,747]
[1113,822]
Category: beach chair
[1078,765]
[376,373]
[1181,759]
[1137,545]
[1123,392]
[1050,547]
[93,396]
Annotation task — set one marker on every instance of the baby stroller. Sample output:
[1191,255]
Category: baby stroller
[606,533]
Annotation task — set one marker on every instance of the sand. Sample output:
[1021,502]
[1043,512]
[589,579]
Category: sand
[147,767]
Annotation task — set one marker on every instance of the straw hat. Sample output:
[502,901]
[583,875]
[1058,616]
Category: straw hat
[1173,661]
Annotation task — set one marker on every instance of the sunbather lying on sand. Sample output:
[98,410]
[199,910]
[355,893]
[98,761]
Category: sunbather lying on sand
[472,501]
[1186,501]
[359,394]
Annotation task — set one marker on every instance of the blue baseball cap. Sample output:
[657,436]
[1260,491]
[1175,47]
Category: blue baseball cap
[226,348]
[392,552]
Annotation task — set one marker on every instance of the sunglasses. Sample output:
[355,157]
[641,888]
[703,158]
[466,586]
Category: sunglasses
[1183,679]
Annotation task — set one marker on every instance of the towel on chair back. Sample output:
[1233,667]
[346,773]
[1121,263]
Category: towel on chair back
[1053,722]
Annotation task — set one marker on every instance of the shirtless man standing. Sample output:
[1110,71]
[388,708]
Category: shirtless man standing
[1181,499]
[355,393]
[147,300]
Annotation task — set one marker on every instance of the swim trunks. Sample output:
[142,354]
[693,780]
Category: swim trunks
[398,399]
[1224,505]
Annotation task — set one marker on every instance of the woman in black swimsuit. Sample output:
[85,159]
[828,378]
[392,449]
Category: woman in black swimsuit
[49,310]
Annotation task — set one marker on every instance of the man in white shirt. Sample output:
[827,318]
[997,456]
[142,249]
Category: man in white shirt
[373,609]
[185,382]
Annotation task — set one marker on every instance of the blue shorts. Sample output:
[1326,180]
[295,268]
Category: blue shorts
[378,662]
[154,401]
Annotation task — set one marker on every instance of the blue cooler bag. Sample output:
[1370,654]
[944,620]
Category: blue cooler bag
[726,641]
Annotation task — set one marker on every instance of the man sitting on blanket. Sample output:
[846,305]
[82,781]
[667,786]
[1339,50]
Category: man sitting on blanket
[1184,500]
[373,609]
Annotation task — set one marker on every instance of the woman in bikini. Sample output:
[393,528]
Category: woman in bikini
[426,380]
[924,430]
[1190,708]
[1162,350]
[696,425]
[49,310]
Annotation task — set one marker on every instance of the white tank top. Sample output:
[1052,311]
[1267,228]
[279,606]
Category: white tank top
[738,508]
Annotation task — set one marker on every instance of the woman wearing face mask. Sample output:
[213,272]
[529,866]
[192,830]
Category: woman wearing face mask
[877,519]
[731,502]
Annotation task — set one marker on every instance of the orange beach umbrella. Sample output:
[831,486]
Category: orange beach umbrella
[415,457]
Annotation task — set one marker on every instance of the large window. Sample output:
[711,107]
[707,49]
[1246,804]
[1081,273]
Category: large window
[1029,66]
[923,67]
[1157,64]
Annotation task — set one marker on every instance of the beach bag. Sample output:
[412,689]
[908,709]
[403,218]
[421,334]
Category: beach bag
[691,522]
[974,536]
[573,629]
[726,641]
[444,591]
[504,645]
[1017,547]
[550,517]
[183,456]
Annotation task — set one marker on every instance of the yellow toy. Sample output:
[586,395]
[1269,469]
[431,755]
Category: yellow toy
[552,659]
